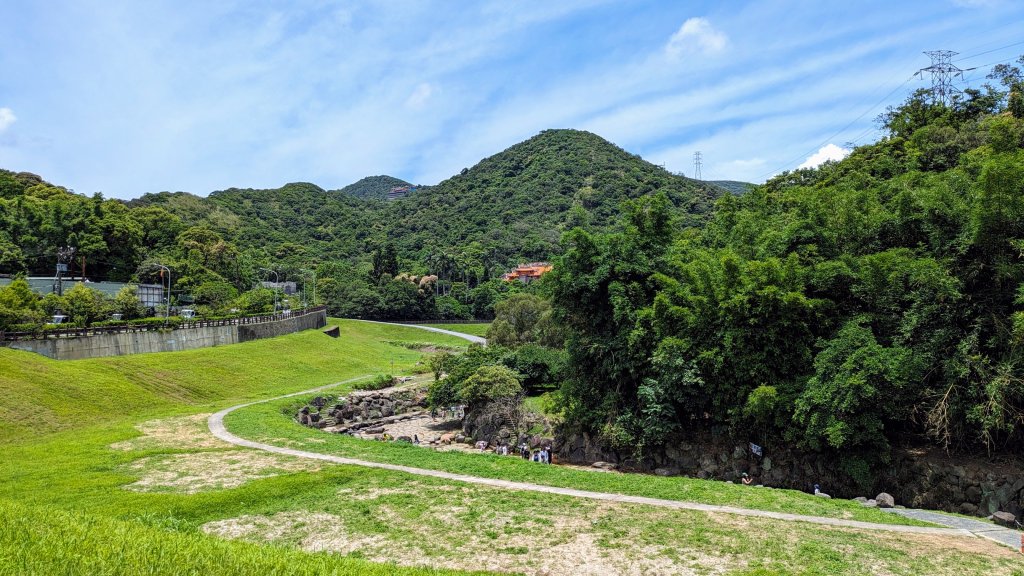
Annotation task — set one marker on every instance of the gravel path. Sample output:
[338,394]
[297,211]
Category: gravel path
[955,526]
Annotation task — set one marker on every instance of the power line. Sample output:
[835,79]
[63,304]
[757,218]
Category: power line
[841,130]
[990,51]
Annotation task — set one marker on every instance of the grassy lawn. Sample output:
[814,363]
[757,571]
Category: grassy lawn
[100,462]
[476,328]
[266,423]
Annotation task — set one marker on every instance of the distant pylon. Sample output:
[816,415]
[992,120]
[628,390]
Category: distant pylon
[696,165]
[943,72]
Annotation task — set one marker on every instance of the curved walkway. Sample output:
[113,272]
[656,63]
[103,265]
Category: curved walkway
[216,424]
[464,336]
[955,526]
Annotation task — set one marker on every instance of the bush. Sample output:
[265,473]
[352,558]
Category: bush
[379,382]
[489,383]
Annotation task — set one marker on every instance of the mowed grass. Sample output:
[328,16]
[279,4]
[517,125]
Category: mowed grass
[266,423]
[39,396]
[59,418]
[73,516]
[48,540]
[475,328]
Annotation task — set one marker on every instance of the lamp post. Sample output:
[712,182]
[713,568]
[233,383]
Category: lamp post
[276,284]
[313,272]
[167,308]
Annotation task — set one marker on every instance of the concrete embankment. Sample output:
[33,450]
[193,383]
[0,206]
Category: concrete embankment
[142,342]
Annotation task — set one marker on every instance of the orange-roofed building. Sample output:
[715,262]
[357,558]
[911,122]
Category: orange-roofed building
[527,273]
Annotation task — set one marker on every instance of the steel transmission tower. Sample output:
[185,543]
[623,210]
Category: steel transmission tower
[943,71]
[696,165]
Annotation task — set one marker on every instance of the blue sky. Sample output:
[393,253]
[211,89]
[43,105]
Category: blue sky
[131,97]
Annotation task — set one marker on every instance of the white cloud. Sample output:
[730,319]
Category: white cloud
[419,96]
[7,118]
[824,154]
[696,36]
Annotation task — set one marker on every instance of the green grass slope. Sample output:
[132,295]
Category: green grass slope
[73,543]
[39,396]
[64,508]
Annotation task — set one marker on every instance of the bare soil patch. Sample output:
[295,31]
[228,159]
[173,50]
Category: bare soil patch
[199,471]
[181,432]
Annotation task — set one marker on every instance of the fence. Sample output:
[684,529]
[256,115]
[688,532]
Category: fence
[76,332]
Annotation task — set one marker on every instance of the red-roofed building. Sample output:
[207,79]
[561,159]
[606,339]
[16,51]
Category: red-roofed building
[527,273]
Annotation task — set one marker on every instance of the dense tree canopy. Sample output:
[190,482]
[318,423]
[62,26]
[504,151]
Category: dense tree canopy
[839,309]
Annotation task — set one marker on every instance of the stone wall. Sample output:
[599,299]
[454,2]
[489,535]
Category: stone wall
[917,478]
[120,343]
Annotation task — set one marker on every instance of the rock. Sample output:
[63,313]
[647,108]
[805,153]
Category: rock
[968,509]
[460,438]
[1005,519]
[404,439]
[604,465]
[870,504]
[373,430]
[885,500]
[973,493]
[861,499]
[820,494]
[666,471]
[739,453]
[766,464]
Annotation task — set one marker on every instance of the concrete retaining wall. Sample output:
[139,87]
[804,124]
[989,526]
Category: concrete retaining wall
[117,344]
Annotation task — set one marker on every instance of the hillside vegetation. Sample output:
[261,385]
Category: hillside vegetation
[840,310]
[466,231]
[373,187]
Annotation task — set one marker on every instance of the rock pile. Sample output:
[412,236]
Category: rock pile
[362,411]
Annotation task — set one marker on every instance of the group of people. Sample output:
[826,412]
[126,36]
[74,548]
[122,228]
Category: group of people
[450,412]
[542,455]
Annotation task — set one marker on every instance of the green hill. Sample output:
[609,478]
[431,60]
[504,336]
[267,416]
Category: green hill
[509,208]
[733,186]
[373,187]
[515,204]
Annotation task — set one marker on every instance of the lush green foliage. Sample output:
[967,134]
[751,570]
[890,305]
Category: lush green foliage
[836,309]
[465,232]
[373,187]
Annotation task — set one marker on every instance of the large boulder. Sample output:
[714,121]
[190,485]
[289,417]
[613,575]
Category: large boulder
[1005,519]
[885,500]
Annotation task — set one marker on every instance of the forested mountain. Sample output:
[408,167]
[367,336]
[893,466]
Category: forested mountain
[841,310]
[732,186]
[373,187]
[516,204]
[509,208]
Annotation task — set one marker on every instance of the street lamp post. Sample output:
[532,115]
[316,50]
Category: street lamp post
[167,301]
[313,272]
[276,285]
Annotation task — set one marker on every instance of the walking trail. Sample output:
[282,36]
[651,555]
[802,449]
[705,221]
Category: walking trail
[955,526]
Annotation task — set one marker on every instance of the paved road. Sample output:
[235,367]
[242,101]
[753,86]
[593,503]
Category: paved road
[470,337]
[1007,536]
[955,526]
